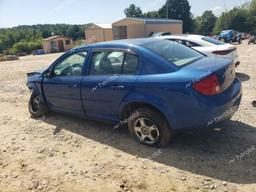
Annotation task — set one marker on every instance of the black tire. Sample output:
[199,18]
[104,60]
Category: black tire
[254,103]
[162,131]
[34,108]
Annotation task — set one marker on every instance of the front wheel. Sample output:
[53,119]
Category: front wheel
[34,105]
[149,128]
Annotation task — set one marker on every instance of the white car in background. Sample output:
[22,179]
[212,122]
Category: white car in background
[206,45]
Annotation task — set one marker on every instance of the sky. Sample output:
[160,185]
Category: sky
[28,12]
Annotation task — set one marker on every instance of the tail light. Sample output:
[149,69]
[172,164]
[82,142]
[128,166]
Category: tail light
[208,86]
[223,52]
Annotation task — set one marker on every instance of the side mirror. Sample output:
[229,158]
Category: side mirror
[47,74]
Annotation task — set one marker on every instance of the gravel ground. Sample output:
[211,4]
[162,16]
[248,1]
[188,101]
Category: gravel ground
[63,153]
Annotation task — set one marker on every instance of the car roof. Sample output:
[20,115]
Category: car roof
[227,31]
[184,36]
[122,43]
[198,39]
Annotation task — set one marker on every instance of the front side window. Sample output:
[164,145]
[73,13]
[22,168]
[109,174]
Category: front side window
[71,66]
[176,53]
[112,63]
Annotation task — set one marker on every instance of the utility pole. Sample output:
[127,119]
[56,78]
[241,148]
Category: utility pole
[167,9]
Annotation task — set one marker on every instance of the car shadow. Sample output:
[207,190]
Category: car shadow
[243,77]
[225,154]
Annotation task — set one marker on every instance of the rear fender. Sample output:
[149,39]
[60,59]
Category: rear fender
[148,99]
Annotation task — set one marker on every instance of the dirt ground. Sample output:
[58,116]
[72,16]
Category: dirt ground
[63,153]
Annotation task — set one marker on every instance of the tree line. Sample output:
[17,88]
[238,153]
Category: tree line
[240,18]
[29,38]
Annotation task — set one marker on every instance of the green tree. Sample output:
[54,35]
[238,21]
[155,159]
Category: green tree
[10,40]
[133,11]
[20,47]
[34,45]
[196,25]
[206,23]
[75,32]
[29,38]
[252,15]
[240,21]
[152,14]
[237,18]
[1,47]
[180,9]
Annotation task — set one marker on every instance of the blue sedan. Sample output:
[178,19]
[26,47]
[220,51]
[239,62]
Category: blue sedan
[156,87]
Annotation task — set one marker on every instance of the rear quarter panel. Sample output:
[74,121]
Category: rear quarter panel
[165,92]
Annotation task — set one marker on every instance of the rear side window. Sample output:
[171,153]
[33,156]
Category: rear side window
[113,63]
[187,43]
[177,40]
[176,53]
[130,64]
[191,44]
[212,41]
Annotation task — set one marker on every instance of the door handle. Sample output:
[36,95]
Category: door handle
[73,86]
[117,87]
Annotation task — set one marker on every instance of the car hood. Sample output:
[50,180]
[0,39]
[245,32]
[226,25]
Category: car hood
[39,72]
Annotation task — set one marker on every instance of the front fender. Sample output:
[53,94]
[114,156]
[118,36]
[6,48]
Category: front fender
[32,87]
[34,83]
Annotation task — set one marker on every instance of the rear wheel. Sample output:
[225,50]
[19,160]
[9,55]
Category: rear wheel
[149,128]
[34,105]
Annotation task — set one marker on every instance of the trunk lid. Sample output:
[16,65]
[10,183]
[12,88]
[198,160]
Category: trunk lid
[224,69]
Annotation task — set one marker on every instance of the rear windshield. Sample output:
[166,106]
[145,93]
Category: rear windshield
[174,52]
[212,41]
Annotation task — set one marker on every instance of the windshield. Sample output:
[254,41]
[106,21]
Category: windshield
[212,41]
[224,32]
[174,52]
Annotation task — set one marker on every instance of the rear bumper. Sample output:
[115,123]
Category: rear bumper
[208,112]
[225,112]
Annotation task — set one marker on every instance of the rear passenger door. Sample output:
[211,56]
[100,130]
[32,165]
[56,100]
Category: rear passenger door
[112,74]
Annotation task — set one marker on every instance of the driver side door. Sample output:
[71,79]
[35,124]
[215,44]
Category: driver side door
[62,88]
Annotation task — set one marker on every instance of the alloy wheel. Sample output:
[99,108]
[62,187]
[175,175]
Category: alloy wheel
[146,131]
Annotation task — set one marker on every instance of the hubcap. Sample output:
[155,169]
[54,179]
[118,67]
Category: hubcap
[146,130]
